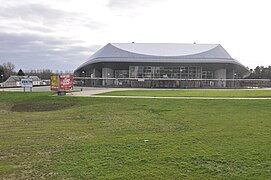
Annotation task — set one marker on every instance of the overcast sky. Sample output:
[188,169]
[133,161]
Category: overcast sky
[62,34]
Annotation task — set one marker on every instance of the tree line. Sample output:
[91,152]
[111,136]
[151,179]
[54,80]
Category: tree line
[8,69]
[260,72]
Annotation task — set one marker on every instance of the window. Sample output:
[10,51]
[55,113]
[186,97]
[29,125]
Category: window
[171,72]
[122,73]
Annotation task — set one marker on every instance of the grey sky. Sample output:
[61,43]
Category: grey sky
[61,34]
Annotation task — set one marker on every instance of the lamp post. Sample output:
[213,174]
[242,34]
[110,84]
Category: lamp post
[234,77]
[107,81]
[181,71]
[2,77]
[180,81]
[82,81]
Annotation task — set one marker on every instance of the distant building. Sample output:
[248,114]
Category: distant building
[160,65]
[15,81]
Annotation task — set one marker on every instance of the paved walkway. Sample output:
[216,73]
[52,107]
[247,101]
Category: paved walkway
[91,91]
[82,91]
[34,89]
[94,92]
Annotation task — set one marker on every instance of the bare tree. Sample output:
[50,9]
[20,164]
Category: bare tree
[260,72]
[1,73]
[41,73]
[8,70]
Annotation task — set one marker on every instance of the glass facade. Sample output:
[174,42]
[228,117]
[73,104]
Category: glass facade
[148,75]
[122,73]
[170,72]
[207,75]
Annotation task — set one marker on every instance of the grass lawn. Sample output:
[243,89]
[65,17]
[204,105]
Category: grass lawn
[43,136]
[192,93]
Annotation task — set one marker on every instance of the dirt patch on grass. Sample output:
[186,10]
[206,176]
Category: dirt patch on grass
[37,106]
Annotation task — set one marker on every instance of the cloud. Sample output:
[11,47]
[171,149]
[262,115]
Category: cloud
[28,51]
[127,4]
[39,36]
[42,18]
[32,12]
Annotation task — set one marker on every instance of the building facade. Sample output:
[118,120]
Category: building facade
[160,65]
[15,81]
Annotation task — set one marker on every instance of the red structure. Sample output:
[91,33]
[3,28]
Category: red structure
[65,82]
[62,82]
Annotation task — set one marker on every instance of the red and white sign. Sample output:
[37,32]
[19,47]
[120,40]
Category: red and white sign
[65,82]
[61,82]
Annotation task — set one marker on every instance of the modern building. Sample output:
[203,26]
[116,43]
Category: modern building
[161,65]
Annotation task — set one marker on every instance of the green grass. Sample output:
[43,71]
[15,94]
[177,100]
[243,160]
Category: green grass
[44,136]
[192,93]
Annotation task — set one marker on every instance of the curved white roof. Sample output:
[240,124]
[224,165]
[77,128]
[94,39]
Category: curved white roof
[161,50]
[165,49]
[161,53]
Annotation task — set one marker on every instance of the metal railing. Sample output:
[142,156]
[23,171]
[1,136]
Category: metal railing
[172,83]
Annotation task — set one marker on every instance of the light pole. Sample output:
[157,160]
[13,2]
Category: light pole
[2,77]
[234,77]
[82,81]
[180,81]
[181,71]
